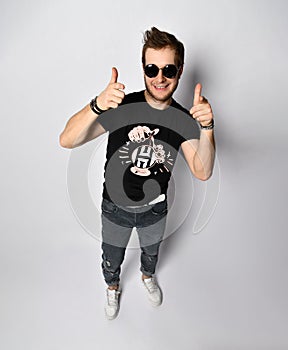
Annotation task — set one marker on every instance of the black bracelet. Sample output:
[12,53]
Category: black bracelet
[94,107]
[208,127]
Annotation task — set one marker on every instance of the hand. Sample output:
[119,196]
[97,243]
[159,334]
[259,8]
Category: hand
[201,110]
[113,95]
[141,133]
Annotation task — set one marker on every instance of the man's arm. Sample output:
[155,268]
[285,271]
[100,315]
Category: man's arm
[200,154]
[82,126]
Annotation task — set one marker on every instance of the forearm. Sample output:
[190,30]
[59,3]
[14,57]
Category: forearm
[77,130]
[204,157]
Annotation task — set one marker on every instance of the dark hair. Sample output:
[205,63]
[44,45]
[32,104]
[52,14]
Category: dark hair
[156,39]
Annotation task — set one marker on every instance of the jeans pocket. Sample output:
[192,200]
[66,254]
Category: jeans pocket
[160,208]
[108,207]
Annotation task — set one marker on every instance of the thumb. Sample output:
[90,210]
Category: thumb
[197,94]
[114,75]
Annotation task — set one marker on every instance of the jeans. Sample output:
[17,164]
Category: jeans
[117,225]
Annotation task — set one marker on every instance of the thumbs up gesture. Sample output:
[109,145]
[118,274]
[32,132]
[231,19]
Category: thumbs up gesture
[113,95]
[201,110]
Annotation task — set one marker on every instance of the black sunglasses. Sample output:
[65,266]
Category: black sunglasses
[169,71]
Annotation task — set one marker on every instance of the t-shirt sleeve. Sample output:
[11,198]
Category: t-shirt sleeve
[184,124]
[106,120]
[190,128]
[114,118]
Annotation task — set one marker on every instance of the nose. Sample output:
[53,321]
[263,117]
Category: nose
[160,77]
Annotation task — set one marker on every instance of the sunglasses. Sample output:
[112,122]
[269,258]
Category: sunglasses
[169,71]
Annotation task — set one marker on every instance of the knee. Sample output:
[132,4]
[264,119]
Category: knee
[109,266]
[151,250]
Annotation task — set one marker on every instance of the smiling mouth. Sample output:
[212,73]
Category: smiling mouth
[160,88]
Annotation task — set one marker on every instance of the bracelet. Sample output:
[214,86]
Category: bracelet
[208,127]
[94,107]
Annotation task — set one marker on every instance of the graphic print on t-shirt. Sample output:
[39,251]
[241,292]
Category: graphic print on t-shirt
[145,157]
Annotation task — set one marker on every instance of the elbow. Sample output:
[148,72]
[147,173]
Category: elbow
[203,176]
[64,142]
[202,171]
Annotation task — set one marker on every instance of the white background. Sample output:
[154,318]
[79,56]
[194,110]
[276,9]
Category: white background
[225,287]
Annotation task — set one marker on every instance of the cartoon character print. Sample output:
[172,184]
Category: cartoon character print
[147,155]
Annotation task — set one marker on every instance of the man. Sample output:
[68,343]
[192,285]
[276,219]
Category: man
[146,129]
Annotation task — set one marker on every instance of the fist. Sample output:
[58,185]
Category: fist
[113,95]
[141,133]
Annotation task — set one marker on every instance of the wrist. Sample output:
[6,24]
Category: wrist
[209,126]
[95,107]
[99,103]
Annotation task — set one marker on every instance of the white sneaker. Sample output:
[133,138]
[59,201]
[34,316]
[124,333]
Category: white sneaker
[153,291]
[112,303]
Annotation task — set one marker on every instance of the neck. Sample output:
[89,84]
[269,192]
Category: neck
[156,103]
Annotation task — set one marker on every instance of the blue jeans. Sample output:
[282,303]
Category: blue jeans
[117,225]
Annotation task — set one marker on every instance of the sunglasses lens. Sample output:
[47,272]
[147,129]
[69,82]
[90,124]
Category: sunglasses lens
[151,70]
[170,71]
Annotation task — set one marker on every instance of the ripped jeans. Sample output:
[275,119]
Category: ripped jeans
[117,225]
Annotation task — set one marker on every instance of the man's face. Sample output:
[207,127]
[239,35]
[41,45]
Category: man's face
[161,88]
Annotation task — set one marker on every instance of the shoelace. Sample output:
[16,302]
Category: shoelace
[151,285]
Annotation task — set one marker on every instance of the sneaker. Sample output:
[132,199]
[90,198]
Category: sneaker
[153,291]
[112,303]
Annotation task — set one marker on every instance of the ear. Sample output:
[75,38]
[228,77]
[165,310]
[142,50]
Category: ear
[180,71]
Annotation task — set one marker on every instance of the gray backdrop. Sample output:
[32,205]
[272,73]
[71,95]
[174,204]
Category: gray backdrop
[223,271]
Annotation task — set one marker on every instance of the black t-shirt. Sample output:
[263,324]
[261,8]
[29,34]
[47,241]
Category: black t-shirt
[138,172]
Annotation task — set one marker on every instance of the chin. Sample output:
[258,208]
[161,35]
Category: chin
[161,96]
